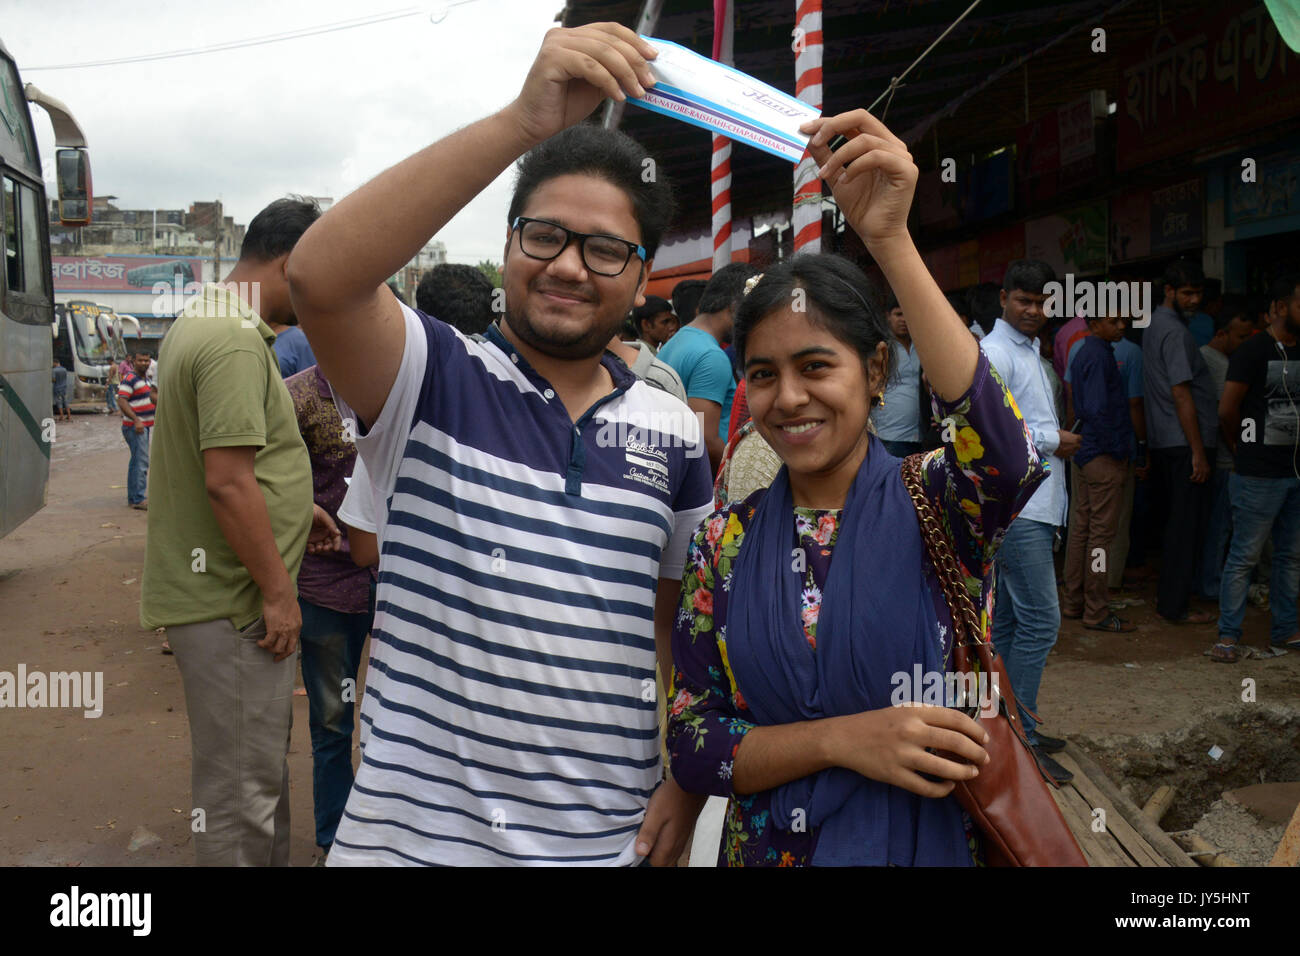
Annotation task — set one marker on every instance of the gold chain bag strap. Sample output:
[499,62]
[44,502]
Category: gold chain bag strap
[1009,800]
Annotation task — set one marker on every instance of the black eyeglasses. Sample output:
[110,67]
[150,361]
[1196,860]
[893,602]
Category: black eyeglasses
[603,255]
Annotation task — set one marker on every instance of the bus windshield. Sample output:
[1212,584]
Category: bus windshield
[91,345]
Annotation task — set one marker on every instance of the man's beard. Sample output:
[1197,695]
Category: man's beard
[582,345]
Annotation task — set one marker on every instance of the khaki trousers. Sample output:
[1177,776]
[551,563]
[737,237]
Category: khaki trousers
[240,705]
[1118,556]
[1099,493]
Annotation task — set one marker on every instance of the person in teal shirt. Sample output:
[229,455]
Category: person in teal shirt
[696,355]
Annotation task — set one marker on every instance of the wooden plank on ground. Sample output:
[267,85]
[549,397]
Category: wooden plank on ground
[1158,840]
[1288,851]
[1104,845]
[1134,844]
[1077,827]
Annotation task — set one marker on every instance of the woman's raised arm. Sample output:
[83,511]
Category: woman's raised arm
[873,179]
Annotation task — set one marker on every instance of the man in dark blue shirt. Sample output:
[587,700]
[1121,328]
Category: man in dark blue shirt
[1099,471]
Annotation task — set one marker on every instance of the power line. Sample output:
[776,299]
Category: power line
[334,27]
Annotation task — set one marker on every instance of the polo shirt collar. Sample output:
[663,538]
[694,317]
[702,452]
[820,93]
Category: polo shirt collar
[1014,334]
[617,368]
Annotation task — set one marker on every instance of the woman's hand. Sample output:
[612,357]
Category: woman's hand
[892,745]
[876,193]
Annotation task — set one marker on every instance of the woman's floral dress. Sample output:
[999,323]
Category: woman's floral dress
[987,470]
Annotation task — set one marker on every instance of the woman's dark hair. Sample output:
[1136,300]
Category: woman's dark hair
[838,295]
[610,155]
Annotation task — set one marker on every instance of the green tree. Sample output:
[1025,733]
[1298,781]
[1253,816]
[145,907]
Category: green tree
[492,271]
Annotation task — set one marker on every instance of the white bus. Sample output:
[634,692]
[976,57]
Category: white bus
[27,286]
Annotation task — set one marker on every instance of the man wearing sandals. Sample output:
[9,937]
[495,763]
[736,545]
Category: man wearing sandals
[1100,469]
[1260,418]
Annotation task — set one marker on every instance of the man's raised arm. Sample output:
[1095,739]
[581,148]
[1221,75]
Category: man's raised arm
[338,269]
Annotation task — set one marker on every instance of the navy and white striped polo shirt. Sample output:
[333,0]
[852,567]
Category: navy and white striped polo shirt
[509,713]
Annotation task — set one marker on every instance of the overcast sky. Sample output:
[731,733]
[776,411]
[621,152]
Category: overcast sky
[318,115]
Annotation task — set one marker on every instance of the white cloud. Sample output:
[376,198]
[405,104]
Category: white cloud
[318,115]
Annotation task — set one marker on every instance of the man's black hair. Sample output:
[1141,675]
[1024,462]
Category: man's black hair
[1184,272]
[276,229]
[686,298]
[644,313]
[1281,289]
[610,155]
[459,295]
[1233,307]
[726,287]
[986,304]
[1027,275]
[891,303]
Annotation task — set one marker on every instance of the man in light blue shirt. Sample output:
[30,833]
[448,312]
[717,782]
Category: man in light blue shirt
[1027,615]
[898,419]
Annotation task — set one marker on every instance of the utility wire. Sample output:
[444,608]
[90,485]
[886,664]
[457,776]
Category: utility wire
[438,16]
[897,81]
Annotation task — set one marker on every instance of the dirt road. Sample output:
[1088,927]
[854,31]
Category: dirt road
[74,790]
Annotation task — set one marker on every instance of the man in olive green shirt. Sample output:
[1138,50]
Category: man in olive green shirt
[229,522]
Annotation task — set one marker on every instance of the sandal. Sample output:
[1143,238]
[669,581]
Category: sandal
[1224,653]
[1114,624]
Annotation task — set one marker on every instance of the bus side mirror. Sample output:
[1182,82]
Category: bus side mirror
[76,199]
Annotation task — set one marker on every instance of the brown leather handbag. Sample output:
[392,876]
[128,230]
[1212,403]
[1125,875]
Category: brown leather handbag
[1009,800]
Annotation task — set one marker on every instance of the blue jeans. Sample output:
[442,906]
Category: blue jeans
[137,472]
[1026,613]
[331,653]
[1260,507]
[1216,535]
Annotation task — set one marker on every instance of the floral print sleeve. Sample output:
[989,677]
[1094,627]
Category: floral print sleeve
[707,715]
[987,471]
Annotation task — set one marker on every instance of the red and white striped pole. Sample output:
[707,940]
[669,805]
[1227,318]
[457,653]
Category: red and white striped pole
[807,218]
[720,164]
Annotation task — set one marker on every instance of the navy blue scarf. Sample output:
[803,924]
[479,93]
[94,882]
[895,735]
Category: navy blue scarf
[876,619]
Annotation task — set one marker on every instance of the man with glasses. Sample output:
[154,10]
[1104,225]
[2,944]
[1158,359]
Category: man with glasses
[530,566]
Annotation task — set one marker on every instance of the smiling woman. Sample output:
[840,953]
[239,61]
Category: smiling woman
[783,659]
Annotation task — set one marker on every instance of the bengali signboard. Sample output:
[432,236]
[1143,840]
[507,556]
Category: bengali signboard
[999,249]
[1157,222]
[1275,191]
[123,273]
[1217,76]
[1177,217]
[942,263]
[1073,240]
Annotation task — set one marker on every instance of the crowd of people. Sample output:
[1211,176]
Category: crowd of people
[547,608]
